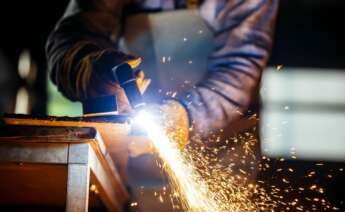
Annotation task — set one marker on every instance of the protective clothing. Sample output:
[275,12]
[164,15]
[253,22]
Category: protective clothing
[83,47]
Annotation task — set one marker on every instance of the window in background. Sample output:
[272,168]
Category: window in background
[303,114]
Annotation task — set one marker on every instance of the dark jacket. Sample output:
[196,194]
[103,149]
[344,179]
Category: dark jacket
[84,45]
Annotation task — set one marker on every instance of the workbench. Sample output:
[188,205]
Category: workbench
[50,164]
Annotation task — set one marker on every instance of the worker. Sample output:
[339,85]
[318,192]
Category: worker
[83,49]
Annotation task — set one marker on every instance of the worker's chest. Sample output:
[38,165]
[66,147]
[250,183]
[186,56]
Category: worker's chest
[174,47]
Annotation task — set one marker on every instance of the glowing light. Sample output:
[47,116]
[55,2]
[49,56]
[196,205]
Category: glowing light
[183,176]
[279,67]
[24,64]
[196,181]
[133,204]
[202,183]
[22,101]
[93,188]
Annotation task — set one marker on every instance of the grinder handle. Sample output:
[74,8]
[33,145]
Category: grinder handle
[125,76]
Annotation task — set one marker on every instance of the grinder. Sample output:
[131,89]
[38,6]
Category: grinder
[125,76]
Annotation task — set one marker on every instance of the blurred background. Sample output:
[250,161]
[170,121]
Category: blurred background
[303,100]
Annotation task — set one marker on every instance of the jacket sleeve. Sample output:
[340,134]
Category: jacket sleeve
[82,48]
[243,38]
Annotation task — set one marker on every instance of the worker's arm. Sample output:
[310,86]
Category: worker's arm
[243,38]
[82,49]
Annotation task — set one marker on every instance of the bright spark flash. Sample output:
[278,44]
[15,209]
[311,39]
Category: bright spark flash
[193,190]
[202,183]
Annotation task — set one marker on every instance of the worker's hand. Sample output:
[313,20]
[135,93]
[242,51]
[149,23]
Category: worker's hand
[172,118]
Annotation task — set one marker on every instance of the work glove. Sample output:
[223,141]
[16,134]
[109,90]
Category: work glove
[172,118]
[170,115]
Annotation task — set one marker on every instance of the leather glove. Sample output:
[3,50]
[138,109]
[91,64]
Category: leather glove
[172,117]
[85,73]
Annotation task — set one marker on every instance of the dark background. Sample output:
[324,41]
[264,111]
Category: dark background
[309,33]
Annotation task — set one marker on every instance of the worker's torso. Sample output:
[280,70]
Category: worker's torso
[174,47]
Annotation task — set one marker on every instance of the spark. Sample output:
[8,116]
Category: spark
[133,204]
[313,187]
[93,188]
[279,67]
[173,95]
[197,182]
[182,173]
[200,182]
